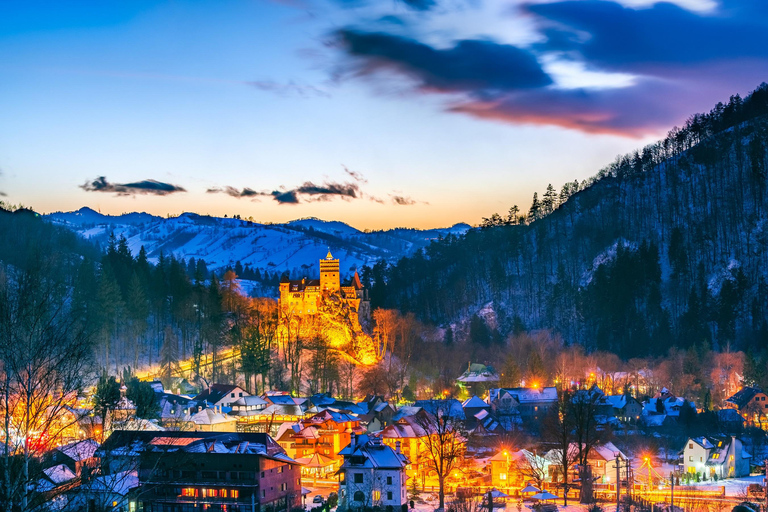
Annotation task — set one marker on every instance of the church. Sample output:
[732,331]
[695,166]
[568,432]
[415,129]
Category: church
[304,297]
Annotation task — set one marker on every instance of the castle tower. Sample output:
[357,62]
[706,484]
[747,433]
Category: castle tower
[330,279]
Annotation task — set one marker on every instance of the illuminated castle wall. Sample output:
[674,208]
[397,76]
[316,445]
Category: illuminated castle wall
[303,298]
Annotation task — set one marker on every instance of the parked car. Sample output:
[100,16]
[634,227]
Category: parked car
[318,499]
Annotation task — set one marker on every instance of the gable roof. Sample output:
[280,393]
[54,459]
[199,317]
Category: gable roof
[376,454]
[742,397]
[216,392]
[80,450]
[475,403]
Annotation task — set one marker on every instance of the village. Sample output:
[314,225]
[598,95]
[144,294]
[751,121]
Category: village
[221,448]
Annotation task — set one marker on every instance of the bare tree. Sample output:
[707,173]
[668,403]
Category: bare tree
[443,443]
[44,352]
[557,429]
[532,467]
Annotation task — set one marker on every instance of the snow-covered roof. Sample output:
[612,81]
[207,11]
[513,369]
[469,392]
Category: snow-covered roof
[210,417]
[376,454]
[80,450]
[59,474]
[608,451]
[474,402]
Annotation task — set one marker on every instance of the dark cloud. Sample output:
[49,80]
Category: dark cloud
[153,187]
[328,190]
[681,61]
[289,197]
[469,66]
[306,192]
[658,39]
[234,192]
[404,200]
[355,175]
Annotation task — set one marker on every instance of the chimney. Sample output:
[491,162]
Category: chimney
[352,440]
[397,446]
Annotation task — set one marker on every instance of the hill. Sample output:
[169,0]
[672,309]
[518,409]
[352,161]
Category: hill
[665,247]
[294,247]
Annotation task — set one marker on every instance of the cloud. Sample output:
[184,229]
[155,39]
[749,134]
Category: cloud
[469,66]
[355,175]
[287,89]
[654,40]
[152,187]
[674,61]
[234,192]
[307,192]
[405,200]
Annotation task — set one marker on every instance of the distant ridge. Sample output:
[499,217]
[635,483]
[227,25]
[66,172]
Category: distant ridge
[294,246]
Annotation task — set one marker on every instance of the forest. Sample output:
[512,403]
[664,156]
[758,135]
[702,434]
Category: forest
[665,247]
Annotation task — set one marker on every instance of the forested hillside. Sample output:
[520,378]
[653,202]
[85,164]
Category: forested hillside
[666,246]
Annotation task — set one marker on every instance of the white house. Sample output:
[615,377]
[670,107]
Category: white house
[221,395]
[721,456]
[373,474]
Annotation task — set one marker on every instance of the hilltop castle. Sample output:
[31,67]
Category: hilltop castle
[305,298]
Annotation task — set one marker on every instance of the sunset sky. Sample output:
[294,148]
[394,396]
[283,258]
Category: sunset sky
[379,113]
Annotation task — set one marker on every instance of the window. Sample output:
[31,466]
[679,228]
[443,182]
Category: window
[223,493]
[690,458]
[358,478]
[502,476]
[389,480]
[389,495]
[359,496]
[263,493]
[240,395]
[232,395]
[690,446]
[234,493]
[376,495]
[280,469]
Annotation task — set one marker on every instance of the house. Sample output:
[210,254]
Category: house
[751,403]
[721,456]
[75,456]
[380,416]
[211,471]
[531,404]
[449,406]
[624,407]
[473,406]
[105,492]
[221,395]
[408,434]
[602,459]
[512,470]
[324,435]
[372,475]
[211,420]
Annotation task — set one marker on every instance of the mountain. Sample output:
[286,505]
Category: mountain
[665,247]
[295,246]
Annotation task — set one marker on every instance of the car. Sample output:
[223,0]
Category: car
[318,499]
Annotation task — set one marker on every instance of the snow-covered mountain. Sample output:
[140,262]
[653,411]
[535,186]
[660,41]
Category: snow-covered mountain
[294,246]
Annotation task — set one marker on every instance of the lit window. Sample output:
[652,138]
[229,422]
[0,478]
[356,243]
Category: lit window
[503,476]
[376,495]
[234,493]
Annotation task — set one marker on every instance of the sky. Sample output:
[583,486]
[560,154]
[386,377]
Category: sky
[377,113]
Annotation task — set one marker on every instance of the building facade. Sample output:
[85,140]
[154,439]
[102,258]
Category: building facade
[191,471]
[372,475]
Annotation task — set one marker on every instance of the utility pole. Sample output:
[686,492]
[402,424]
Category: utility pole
[618,482]
[672,492]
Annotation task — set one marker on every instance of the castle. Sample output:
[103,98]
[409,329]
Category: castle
[304,298]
